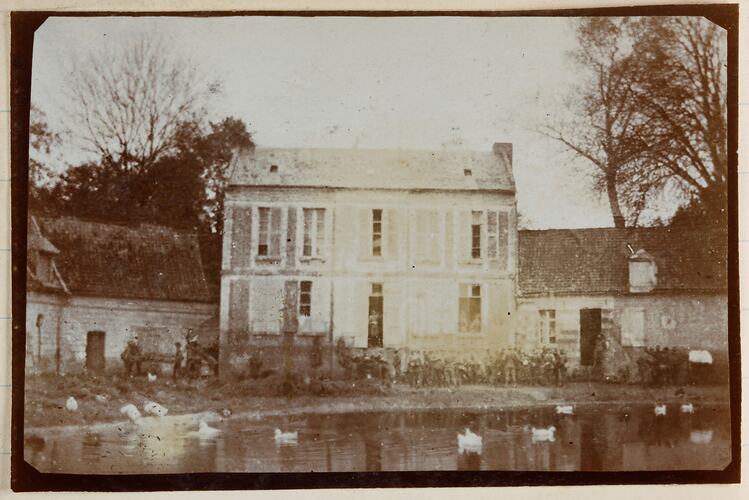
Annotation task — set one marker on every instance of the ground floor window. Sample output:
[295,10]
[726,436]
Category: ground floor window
[305,298]
[469,304]
[548,326]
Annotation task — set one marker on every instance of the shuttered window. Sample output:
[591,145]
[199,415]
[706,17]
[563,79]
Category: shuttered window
[377,232]
[469,304]
[314,232]
[269,232]
[305,298]
[497,236]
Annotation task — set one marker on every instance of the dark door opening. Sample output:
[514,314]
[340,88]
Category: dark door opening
[95,359]
[590,328]
[374,338]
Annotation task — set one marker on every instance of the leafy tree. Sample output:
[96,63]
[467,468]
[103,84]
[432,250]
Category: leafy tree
[42,141]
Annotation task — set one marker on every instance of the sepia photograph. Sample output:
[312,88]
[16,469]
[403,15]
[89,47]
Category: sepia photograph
[399,243]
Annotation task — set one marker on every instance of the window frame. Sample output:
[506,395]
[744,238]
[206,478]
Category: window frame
[305,306]
[470,296]
[263,244]
[547,324]
[376,234]
[316,235]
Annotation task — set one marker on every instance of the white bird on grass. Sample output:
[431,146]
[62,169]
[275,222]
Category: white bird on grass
[543,434]
[565,409]
[660,410]
[131,411]
[151,377]
[285,437]
[153,408]
[71,404]
[470,442]
[687,408]
[102,398]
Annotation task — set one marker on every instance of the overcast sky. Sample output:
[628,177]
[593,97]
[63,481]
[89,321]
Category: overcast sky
[345,82]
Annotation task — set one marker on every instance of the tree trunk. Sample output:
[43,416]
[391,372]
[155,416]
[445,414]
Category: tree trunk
[616,210]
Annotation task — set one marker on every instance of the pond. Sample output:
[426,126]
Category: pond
[593,438]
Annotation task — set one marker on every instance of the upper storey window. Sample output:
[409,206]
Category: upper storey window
[377,232]
[314,232]
[269,232]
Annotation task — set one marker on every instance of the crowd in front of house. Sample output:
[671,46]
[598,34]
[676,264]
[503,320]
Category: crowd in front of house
[541,366]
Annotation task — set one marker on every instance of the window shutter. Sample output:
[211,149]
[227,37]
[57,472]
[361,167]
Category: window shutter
[464,236]
[291,235]
[365,233]
[290,306]
[491,229]
[503,241]
[275,238]
[239,304]
[392,230]
[241,249]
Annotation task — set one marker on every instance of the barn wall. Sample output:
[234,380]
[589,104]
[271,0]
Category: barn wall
[120,319]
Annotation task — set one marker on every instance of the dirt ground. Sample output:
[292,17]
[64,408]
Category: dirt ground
[45,397]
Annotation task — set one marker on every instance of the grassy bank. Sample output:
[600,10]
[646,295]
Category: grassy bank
[45,397]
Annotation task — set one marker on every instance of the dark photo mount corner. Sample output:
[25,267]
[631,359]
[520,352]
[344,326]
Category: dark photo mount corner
[25,478]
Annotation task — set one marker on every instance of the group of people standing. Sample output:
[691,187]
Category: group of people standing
[186,363]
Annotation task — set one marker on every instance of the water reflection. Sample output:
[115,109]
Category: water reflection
[594,439]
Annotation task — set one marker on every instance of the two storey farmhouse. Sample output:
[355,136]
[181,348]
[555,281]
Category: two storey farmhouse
[380,248]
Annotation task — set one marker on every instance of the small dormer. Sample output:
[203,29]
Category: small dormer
[643,272]
[41,253]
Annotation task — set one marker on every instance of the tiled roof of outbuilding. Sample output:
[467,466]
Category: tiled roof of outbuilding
[138,262]
[375,169]
[596,261]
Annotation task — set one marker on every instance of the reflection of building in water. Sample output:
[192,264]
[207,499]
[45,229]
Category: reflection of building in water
[469,460]
[372,454]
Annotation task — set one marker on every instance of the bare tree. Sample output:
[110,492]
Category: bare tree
[127,106]
[604,127]
[679,80]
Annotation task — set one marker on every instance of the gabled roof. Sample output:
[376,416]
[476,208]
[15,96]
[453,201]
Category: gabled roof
[596,261]
[375,169]
[138,262]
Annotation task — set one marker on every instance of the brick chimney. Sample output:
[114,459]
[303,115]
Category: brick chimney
[503,150]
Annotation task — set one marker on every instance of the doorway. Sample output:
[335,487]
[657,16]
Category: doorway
[590,328]
[374,337]
[95,359]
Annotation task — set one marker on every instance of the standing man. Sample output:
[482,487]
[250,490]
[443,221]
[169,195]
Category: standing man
[178,358]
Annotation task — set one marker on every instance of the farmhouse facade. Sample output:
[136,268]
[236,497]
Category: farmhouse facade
[638,287]
[92,286]
[380,248]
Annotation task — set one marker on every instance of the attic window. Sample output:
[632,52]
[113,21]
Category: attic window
[467,172]
[273,169]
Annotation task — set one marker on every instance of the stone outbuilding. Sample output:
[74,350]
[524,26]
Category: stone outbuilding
[639,287]
[91,286]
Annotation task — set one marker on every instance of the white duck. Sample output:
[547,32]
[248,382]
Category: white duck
[687,408]
[285,437]
[543,434]
[565,409]
[701,437]
[131,412]
[206,431]
[151,377]
[660,410]
[153,408]
[71,404]
[470,442]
